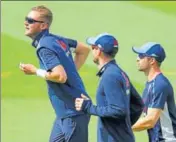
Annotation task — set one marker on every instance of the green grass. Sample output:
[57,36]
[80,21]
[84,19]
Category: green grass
[31,120]
[25,106]
[33,86]
[27,115]
[164,6]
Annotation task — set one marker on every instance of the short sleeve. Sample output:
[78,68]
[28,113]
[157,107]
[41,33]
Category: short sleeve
[71,43]
[49,58]
[159,97]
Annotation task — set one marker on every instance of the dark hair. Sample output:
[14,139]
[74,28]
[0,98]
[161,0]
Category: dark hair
[113,53]
[158,63]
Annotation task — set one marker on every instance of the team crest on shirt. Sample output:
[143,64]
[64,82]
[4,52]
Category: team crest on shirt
[128,91]
[68,53]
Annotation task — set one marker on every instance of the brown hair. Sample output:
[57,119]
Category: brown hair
[45,13]
[112,54]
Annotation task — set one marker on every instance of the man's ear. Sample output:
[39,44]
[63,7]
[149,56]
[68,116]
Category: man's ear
[44,26]
[153,61]
[99,52]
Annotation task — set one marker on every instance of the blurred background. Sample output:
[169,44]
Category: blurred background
[26,113]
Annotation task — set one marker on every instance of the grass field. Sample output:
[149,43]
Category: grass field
[26,112]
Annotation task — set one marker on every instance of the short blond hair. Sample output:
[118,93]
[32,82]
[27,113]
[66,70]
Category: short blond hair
[45,13]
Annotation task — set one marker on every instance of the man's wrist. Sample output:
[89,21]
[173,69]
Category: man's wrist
[41,73]
[86,105]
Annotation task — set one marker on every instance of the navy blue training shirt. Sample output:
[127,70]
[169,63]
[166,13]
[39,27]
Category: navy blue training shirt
[52,51]
[159,94]
[113,103]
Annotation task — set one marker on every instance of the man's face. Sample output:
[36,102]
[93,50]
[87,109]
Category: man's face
[95,52]
[144,62]
[34,24]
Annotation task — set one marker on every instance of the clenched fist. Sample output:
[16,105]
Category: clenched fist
[79,102]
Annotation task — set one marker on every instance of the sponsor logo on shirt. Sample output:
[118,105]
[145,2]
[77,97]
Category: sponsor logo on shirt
[127,83]
[126,79]
[62,44]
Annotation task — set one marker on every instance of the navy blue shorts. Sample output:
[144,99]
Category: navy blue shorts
[71,129]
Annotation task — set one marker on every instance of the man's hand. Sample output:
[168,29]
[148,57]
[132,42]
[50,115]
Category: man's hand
[79,102]
[28,68]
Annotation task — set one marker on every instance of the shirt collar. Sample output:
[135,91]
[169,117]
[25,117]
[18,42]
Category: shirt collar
[103,68]
[38,37]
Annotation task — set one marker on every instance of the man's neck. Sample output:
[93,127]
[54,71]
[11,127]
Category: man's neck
[152,73]
[104,61]
[33,37]
[36,38]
